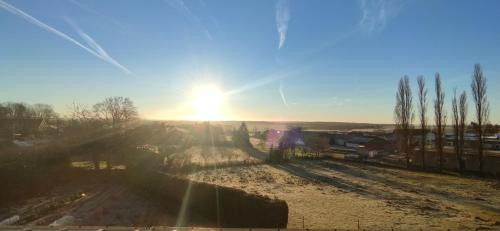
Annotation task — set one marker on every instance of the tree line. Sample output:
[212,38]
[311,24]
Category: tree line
[18,117]
[404,118]
[112,112]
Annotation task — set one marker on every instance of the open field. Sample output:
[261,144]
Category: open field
[330,194]
[318,193]
[208,155]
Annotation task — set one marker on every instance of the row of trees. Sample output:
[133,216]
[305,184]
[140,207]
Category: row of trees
[22,118]
[26,119]
[112,112]
[404,117]
[23,111]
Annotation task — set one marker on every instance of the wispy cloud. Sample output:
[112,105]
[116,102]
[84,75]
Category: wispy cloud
[324,102]
[255,84]
[267,80]
[98,51]
[282,19]
[181,7]
[377,13]
[100,15]
[283,99]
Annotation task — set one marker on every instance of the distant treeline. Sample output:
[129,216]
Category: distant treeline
[22,120]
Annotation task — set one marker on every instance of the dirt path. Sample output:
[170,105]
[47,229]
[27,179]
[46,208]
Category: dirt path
[330,194]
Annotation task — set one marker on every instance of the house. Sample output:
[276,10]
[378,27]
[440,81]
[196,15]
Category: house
[358,141]
[339,139]
[430,137]
[492,144]
[19,128]
[381,144]
[367,152]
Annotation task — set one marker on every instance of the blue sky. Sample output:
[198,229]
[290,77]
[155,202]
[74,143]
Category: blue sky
[274,60]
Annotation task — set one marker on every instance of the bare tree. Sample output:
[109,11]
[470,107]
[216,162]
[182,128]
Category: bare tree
[403,112]
[456,128]
[44,111]
[478,86]
[81,114]
[422,109]
[440,119]
[129,111]
[100,113]
[119,109]
[461,129]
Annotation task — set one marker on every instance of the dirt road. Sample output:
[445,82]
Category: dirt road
[331,194]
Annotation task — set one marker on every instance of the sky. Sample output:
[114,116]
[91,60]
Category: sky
[286,60]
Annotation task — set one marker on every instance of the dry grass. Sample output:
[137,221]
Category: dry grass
[332,194]
[210,156]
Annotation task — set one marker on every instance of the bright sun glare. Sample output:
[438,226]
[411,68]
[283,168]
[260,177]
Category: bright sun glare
[207,103]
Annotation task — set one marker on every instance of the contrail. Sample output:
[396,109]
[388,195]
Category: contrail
[98,14]
[282,19]
[99,53]
[102,53]
[181,7]
[282,95]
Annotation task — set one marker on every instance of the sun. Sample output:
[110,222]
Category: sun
[207,103]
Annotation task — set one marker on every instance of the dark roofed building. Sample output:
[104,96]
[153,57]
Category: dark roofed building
[24,127]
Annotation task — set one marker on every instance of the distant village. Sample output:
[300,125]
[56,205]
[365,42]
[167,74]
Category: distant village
[378,146]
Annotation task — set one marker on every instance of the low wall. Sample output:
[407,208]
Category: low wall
[228,207]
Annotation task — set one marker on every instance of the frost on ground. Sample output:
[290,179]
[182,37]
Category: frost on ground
[207,155]
[90,204]
[332,194]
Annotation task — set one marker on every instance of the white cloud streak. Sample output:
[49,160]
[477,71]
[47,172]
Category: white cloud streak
[101,52]
[282,20]
[283,99]
[181,7]
[376,14]
[267,80]
[255,84]
[98,52]
[100,15]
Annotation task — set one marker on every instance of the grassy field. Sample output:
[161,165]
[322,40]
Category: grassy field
[330,194]
[208,155]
